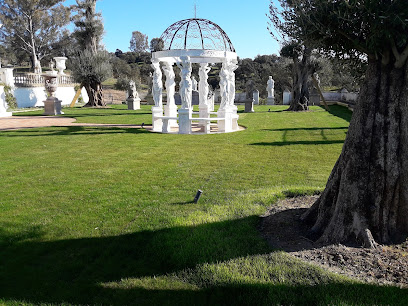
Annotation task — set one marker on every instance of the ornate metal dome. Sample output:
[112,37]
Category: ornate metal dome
[196,33]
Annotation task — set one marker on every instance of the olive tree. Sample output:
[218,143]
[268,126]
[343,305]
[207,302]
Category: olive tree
[91,64]
[366,196]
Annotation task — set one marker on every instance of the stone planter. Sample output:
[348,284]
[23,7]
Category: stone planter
[51,83]
[52,106]
[60,64]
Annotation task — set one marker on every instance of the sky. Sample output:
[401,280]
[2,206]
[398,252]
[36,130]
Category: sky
[244,22]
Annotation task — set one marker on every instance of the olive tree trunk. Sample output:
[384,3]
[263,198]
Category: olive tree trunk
[366,197]
[95,94]
[302,70]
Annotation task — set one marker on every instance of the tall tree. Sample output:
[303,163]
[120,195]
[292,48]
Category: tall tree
[302,69]
[91,65]
[139,42]
[301,55]
[89,26]
[33,26]
[366,195]
[156,44]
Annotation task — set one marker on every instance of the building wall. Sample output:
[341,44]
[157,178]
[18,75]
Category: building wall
[35,96]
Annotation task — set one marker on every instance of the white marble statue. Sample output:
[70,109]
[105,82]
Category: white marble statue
[224,86]
[270,87]
[231,67]
[194,83]
[203,85]
[186,87]
[170,82]
[157,84]
[133,94]
[37,67]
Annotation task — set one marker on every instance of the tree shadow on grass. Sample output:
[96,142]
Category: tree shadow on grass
[74,270]
[307,129]
[66,270]
[130,113]
[341,112]
[287,143]
[70,131]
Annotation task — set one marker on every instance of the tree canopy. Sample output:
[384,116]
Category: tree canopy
[89,25]
[139,42]
[376,28]
[33,26]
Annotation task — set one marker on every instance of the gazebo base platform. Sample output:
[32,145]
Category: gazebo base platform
[196,129]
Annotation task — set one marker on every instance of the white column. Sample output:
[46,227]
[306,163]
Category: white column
[157,91]
[6,76]
[186,90]
[170,109]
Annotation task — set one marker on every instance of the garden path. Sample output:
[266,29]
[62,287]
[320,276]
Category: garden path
[24,122]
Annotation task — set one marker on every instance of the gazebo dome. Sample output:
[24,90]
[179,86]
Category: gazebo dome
[196,34]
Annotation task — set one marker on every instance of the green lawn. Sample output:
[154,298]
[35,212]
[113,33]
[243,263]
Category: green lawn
[92,215]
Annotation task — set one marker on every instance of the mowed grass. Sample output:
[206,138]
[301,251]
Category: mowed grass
[98,215]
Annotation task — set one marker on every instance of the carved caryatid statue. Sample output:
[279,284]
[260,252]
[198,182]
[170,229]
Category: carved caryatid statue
[224,86]
[270,87]
[185,83]
[203,85]
[157,84]
[231,67]
[170,82]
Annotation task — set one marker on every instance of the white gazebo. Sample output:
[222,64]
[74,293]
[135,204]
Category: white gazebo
[194,41]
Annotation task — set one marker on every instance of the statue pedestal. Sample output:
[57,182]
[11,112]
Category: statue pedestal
[249,106]
[270,101]
[157,113]
[184,121]
[171,111]
[52,107]
[225,126]
[133,104]
[5,114]
[204,113]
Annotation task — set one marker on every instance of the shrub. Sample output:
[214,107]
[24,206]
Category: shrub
[10,99]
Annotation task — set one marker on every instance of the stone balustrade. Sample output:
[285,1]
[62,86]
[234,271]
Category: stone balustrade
[37,80]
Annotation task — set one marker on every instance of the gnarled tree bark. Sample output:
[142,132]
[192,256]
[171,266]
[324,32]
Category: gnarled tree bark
[95,94]
[366,197]
[302,70]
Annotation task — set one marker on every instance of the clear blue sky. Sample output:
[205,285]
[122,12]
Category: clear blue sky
[244,21]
